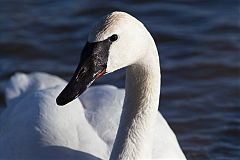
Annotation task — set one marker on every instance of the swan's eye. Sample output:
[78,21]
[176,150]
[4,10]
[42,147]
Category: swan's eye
[114,37]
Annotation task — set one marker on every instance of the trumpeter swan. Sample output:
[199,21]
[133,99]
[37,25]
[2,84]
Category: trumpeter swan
[34,127]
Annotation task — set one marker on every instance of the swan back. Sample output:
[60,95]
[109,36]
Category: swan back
[34,127]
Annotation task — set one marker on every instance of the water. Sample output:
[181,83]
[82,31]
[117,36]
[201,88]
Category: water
[198,42]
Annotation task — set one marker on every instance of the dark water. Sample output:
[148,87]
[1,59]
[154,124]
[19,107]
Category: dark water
[198,42]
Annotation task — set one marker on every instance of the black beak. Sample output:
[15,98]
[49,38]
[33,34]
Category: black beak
[93,65]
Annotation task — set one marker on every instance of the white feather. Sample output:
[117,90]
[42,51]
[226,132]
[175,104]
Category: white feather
[34,127]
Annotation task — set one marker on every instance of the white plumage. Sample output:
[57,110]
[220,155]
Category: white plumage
[34,127]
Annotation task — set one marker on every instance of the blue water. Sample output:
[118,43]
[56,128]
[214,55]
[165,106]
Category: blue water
[198,43]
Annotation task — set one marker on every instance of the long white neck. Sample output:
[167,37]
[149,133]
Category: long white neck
[134,137]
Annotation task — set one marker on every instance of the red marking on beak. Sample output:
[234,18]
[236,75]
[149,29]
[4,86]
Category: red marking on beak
[100,74]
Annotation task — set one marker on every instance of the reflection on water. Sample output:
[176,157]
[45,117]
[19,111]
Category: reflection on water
[198,46]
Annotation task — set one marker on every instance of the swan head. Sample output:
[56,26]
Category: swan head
[116,41]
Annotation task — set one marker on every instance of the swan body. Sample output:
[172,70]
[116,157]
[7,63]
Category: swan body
[105,122]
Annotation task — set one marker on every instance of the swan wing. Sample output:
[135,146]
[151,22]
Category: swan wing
[165,144]
[103,107]
[33,127]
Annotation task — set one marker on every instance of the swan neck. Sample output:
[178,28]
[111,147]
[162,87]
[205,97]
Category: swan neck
[140,107]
